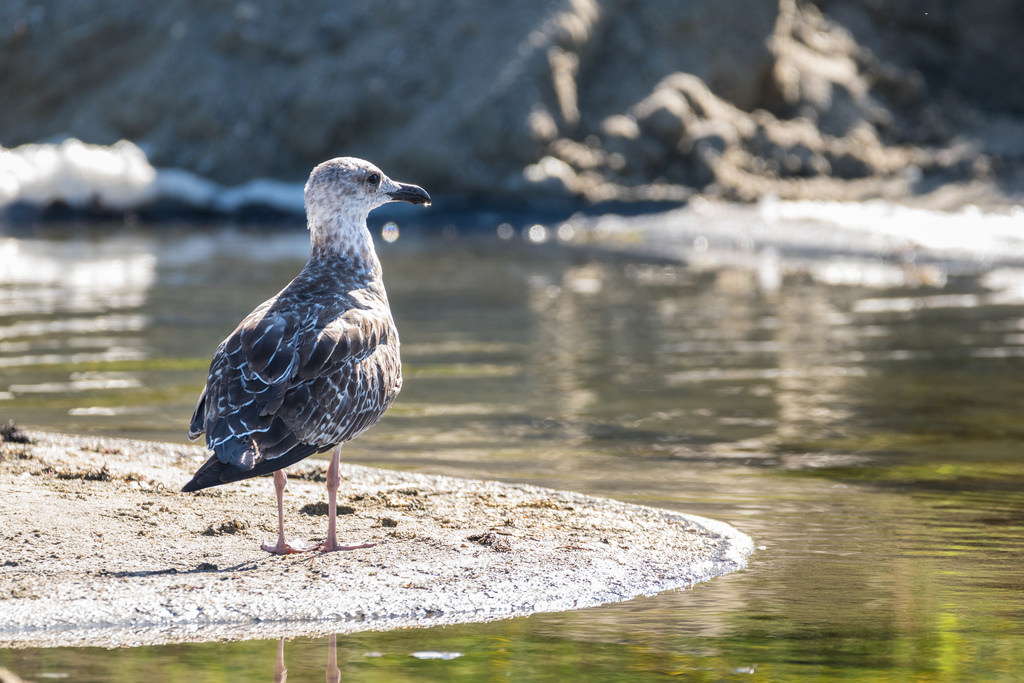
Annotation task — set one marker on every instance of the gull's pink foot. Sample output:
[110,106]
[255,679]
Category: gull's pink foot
[286,549]
[330,547]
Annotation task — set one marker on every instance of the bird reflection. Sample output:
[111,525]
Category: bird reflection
[280,672]
[333,673]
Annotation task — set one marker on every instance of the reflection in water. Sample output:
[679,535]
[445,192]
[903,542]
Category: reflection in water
[280,671]
[63,302]
[75,276]
[333,672]
[69,304]
[867,436]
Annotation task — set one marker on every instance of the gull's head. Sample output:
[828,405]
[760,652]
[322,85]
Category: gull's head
[354,187]
[341,192]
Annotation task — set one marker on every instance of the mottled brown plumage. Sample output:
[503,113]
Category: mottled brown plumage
[317,364]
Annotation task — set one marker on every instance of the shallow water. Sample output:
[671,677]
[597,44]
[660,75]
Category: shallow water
[868,439]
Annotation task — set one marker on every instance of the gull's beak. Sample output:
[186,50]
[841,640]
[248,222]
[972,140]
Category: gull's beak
[413,194]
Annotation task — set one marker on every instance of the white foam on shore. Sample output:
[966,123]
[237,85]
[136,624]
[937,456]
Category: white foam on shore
[119,177]
[997,233]
[116,177]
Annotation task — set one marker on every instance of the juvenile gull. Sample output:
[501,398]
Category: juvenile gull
[315,365]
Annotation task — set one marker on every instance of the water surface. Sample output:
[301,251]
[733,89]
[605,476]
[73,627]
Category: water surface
[867,438]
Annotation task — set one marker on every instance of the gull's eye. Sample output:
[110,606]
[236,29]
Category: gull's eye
[373,180]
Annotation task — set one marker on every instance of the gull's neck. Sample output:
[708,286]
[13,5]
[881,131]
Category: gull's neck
[343,241]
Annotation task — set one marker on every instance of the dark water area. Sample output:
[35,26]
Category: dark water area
[868,439]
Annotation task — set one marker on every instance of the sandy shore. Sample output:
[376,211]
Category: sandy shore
[100,548]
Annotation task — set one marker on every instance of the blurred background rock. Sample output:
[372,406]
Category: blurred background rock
[597,99]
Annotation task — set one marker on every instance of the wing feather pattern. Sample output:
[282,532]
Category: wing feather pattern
[300,374]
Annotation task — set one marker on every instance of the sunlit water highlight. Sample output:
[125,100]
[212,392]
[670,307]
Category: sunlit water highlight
[867,434]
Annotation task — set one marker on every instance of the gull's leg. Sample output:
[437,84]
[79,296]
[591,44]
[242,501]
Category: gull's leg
[282,548]
[331,544]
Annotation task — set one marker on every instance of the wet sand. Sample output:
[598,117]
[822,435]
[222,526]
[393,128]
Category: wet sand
[100,548]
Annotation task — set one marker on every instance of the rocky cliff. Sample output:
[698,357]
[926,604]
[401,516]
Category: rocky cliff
[603,99]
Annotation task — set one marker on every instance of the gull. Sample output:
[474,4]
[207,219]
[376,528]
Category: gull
[318,363]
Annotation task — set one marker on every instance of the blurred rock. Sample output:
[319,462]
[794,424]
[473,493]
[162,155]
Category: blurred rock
[601,99]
